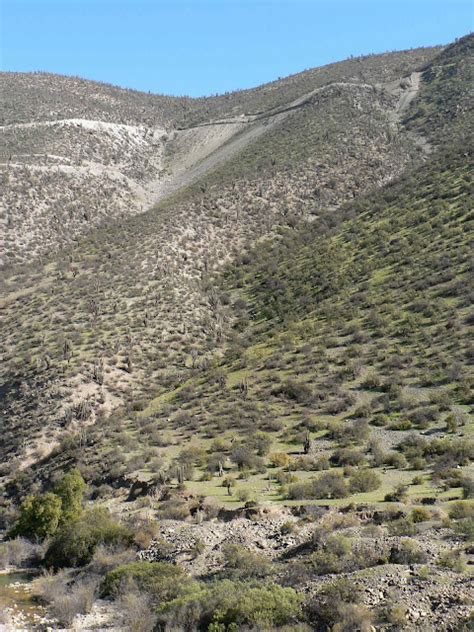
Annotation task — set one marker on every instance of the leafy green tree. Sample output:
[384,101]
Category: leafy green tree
[75,542]
[39,516]
[71,492]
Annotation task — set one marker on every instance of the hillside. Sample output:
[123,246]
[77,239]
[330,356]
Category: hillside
[297,164]
[267,376]
[77,154]
[442,111]
[41,96]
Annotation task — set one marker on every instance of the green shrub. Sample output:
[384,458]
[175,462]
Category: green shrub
[328,485]
[347,456]
[420,514]
[323,609]
[338,554]
[452,560]
[297,391]
[364,481]
[287,527]
[243,495]
[261,443]
[467,484]
[407,552]
[400,424]
[398,495]
[396,460]
[397,614]
[402,526]
[71,491]
[39,517]
[243,456]
[372,381]
[161,581]
[75,543]
[333,557]
[424,573]
[234,604]
[241,563]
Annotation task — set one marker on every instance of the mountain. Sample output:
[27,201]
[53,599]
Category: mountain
[292,316]
[78,154]
[342,139]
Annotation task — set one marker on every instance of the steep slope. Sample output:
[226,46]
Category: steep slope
[77,154]
[361,316]
[343,399]
[129,313]
[442,109]
[73,174]
[346,387]
[136,286]
[267,378]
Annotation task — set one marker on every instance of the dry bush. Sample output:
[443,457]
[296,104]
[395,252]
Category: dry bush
[352,617]
[48,585]
[397,614]
[71,601]
[334,520]
[144,530]
[173,510]
[137,612]
[18,551]
[107,558]
[65,599]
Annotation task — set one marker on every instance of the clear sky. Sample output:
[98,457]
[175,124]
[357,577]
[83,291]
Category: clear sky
[201,47]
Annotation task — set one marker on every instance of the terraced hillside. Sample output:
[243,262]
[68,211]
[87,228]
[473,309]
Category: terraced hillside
[268,375]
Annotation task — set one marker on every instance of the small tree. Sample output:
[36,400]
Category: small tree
[39,516]
[71,492]
[242,456]
[364,481]
[262,443]
[229,483]
[74,544]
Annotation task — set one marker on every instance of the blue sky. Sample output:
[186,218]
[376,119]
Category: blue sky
[200,47]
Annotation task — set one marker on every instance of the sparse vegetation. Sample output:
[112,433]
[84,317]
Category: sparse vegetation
[249,407]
